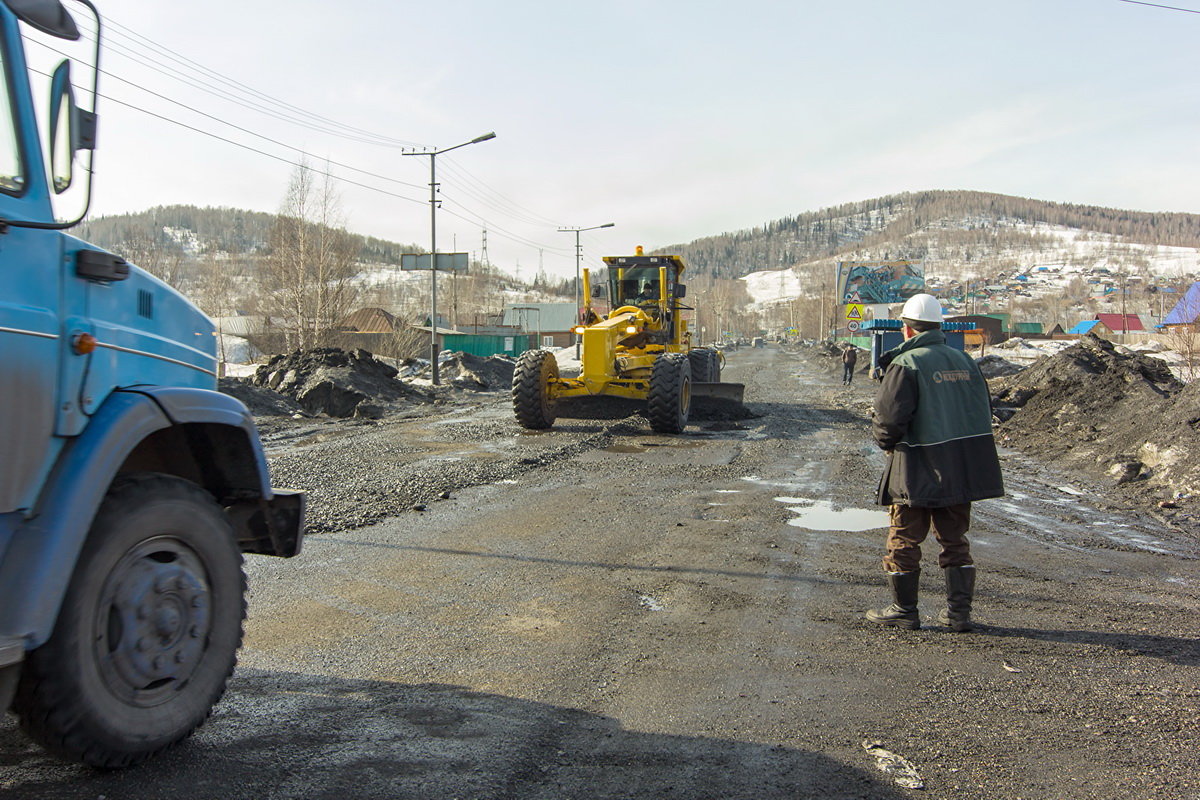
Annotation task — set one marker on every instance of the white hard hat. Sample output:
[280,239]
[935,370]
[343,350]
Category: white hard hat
[922,307]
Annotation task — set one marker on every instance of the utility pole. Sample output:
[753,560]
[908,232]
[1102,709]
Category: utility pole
[433,204]
[578,257]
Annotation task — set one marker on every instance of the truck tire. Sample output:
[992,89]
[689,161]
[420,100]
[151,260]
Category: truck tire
[714,369]
[148,631]
[700,359]
[670,397]
[533,400]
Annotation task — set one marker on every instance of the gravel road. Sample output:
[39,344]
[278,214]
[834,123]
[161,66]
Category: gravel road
[600,612]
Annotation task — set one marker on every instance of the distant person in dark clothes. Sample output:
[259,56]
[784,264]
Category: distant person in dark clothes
[933,418]
[849,359]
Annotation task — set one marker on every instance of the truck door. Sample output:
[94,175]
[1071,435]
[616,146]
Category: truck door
[30,333]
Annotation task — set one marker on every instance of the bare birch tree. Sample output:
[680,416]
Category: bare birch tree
[309,272]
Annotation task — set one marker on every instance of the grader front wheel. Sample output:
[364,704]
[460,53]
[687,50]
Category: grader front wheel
[670,396]
[533,398]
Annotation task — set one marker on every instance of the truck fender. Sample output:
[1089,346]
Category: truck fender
[224,456]
[32,579]
[200,435]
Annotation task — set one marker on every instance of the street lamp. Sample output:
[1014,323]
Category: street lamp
[433,345]
[578,255]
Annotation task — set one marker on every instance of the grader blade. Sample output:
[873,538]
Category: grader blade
[730,392]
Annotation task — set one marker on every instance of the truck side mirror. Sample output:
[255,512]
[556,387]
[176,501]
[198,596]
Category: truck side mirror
[680,291]
[47,16]
[599,290]
[64,129]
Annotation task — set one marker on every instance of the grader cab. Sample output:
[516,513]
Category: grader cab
[641,350]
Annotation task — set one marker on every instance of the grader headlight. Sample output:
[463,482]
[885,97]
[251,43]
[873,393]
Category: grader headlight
[631,329]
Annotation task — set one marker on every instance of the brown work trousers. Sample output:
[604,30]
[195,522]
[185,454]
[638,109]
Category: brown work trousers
[910,525]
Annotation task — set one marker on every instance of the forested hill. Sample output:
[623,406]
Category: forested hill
[912,225]
[196,231]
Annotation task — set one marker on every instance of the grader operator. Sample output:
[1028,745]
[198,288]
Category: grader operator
[641,350]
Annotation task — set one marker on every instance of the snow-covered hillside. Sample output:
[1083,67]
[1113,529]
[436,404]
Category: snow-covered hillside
[1047,256]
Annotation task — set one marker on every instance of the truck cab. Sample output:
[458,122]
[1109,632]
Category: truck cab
[130,487]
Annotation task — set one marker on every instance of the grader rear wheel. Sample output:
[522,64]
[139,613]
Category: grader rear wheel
[670,395]
[700,359]
[533,398]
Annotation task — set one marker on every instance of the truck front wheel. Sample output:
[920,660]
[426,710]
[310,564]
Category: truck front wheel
[148,632]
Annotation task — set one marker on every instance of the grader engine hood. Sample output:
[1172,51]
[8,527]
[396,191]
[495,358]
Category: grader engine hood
[600,343]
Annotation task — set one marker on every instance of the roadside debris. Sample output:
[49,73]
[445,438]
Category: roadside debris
[328,380]
[465,371]
[895,766]
[261,401]
[993,366]
[1121,416]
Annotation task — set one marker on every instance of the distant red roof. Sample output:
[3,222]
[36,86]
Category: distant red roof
[1132,322]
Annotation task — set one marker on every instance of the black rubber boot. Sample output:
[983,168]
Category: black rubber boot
[960,590]
[902,613]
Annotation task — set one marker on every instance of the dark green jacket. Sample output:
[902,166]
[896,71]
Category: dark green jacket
[933,416]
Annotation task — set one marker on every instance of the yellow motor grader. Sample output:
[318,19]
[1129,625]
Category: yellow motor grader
[641,350]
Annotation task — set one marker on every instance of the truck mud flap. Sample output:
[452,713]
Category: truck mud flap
[272,527]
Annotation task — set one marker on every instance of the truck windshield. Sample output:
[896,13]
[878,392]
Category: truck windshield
[12,178]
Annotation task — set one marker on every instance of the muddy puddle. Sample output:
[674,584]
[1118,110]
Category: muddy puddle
[820,515]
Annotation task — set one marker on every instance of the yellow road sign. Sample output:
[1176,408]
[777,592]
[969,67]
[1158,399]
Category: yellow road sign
[854,312]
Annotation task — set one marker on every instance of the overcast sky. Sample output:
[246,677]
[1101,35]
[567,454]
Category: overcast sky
[673,120]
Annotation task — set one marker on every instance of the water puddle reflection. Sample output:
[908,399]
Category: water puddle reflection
[820,515]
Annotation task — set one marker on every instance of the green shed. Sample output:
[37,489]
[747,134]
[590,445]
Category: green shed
[484,345]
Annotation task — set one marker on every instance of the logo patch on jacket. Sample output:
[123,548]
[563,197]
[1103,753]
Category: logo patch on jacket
[951,375]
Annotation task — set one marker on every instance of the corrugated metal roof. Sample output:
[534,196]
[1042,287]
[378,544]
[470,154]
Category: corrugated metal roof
[239,326]
[1027,327]
[547,317]
[370,320]
[1085,326]
[1118,323]
[1187,309]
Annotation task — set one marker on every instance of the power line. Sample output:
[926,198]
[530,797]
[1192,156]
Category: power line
[1158,5]
[504,205]
[227,123]
[148,43]
[207,88]
[262,152]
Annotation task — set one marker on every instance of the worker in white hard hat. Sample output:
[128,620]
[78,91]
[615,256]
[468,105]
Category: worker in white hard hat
[933,418]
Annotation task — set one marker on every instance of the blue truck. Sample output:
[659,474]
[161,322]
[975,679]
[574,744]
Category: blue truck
[129,486]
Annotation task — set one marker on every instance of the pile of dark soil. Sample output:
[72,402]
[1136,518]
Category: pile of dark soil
[465,371]
[261,401]
[328,380]
[1122,416]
